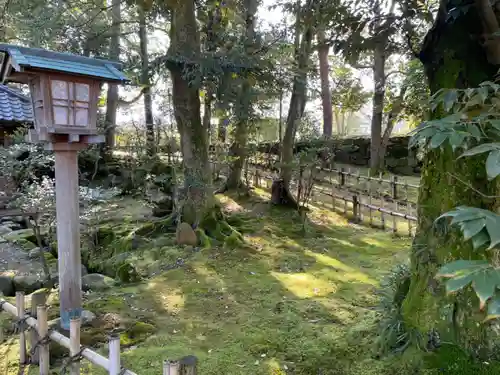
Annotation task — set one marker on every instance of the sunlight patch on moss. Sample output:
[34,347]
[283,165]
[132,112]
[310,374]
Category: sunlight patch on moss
[305,285]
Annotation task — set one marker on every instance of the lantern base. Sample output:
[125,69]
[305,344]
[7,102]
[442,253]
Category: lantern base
[43,135]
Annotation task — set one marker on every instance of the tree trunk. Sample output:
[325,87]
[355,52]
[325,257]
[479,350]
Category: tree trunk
[145,81]
[326,95]
[296,109]
[379,58]
[238,148]
[185,46]
[112,96]
[453,58]
[397,106]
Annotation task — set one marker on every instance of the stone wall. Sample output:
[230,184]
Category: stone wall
[356,152]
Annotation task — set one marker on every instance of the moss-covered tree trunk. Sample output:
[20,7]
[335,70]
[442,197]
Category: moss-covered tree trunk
[184,54]
[453,58]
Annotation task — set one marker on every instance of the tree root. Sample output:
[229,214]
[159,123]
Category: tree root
[241,189]
[280,195]
[214,229]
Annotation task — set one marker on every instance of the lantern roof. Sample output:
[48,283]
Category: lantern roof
[14,106]
[17,59]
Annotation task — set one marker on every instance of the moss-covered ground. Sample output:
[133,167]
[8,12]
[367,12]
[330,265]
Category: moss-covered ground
[287,302]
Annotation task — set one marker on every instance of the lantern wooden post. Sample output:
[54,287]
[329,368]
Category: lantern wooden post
[68,232]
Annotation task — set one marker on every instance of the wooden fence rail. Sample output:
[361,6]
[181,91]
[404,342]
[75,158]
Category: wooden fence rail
[41,335]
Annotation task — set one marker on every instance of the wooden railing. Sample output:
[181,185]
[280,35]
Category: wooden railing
[40,335]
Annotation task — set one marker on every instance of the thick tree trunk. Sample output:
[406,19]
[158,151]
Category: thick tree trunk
[146,83]
[326,94]
[112,96]
[379,58]
[185,49]
[453,58]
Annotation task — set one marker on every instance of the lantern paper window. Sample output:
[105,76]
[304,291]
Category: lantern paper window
[70,103]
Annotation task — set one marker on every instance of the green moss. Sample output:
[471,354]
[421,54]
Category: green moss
[203,239]
[138,332]
[25,244]
[451,360]
[127,273]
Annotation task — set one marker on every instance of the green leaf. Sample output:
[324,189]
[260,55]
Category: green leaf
[438,139]
[449,99]
[472,227]
[494,307]
[483,93]
[466,215]
[474,131]
[493,228]
[485,147]
[480,239]
[493,164]
[461,267]
[456,139]
[484,285]
[457,283]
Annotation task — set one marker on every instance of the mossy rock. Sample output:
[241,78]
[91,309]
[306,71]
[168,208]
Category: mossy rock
[25,244]
[136,333]
[127,273]
[92,337]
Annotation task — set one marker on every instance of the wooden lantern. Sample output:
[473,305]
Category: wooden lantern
[64,90]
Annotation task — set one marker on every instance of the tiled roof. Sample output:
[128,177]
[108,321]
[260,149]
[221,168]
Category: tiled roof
[24,58]
[14,106]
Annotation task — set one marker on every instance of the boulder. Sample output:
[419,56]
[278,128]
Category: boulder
[127,273]
[185,235]
[4,229]
[6,286]
[27,284]
[35,253]
[96,281]
[87,317]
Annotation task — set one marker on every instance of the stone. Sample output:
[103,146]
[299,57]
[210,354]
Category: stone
[84,270]
[6,286]
[185,235]
[27,284]
[26,234]
[127,273]
[87,317]
[35,253]
[5,229]
[96,281]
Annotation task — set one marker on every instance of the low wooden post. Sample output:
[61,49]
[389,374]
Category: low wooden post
[22,335]
[370,210]
[394,185]
[342,176]
[43,329]
[37,299]
[170,368]
[382,214]
[188,365]
[355,208]
[74,341]
[114,355]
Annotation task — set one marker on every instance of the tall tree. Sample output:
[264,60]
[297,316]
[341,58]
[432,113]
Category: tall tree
[326,95]
[112,96]
[304,33]
[244,105]
[142,9]
[459,52]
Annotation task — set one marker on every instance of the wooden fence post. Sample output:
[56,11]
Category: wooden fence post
[394,184]
[43,329]
[74,342]
[114,355]
[342,176]
[21,324]
[37,299]
[188,365]
[355,208]
[170,368]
